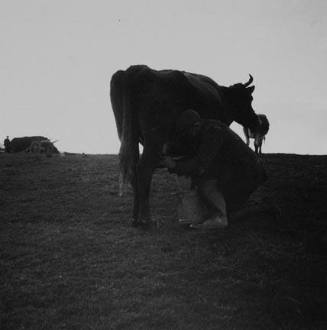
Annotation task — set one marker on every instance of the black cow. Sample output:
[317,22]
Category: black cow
[146,104]
[43,146]
[22,143]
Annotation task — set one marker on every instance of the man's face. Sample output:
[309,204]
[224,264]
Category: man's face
[189,133]
[195,129]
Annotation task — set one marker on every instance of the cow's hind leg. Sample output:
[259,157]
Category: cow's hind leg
[148,162]
[246,133]
[135,221]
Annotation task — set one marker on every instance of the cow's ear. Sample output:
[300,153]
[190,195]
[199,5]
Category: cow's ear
[251,89]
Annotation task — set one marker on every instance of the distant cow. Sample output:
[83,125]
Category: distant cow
[146,104]
[257,134]
[43,146]
[24,143]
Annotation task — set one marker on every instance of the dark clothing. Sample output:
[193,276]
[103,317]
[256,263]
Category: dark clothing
[220,154]
[6,144]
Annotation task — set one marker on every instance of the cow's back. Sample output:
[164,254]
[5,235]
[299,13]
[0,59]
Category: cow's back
[170,92]
[22,143]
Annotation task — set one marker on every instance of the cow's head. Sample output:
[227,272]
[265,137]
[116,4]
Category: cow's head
[240,104]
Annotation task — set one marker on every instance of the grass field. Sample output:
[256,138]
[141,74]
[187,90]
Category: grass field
[71,260]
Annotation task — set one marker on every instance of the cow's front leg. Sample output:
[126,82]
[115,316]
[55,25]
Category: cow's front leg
[260,145]
[256,149]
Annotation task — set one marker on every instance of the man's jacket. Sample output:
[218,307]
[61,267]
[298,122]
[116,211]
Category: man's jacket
[219,153]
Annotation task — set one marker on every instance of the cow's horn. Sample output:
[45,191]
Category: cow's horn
[249,82]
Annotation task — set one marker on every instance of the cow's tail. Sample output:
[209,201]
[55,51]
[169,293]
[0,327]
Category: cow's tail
[126,122]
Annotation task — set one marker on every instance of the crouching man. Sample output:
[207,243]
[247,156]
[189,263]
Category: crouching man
[224,170]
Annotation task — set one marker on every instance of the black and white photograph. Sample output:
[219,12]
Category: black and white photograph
[163,164]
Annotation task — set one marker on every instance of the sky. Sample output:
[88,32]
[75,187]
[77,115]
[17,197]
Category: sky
[57,58]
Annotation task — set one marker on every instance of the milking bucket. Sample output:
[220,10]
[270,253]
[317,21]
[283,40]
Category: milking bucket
[190,207]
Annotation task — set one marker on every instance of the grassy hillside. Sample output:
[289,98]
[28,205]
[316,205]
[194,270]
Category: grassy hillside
[71,260]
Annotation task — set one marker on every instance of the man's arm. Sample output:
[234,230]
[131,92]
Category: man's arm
[211,142]
[185,166]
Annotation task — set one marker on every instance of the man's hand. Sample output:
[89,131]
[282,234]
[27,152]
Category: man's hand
[168,162]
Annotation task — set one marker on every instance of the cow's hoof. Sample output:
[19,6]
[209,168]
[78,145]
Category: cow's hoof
[135,223]
[146,225]
[142,224]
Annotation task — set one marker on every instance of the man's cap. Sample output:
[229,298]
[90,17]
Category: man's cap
[187,119]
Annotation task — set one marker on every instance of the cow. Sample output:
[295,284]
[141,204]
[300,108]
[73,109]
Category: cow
[146,104]
[258,134]
[25,143]
[19,144]
[43,146]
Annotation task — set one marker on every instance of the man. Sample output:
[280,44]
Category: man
[222,167]
[6,144]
